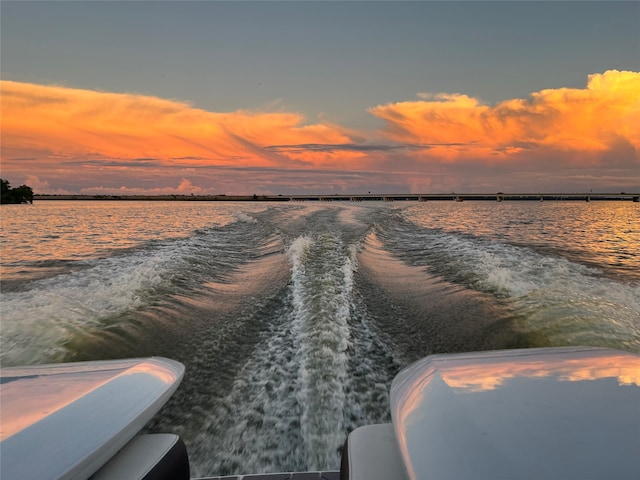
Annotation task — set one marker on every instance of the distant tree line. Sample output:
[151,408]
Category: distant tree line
[21,194]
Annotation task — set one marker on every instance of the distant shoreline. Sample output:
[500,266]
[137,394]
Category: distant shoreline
[635,197]
[168,198]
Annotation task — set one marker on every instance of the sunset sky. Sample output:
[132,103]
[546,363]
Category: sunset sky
[320,97]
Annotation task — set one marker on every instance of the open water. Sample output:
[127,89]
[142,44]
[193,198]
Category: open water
[293,318]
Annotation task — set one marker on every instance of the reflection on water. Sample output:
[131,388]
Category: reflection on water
[211,285]
[602,234]
[51,234]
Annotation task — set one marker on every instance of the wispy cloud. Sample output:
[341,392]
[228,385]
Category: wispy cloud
[353,147]
[49,120]
[342,147]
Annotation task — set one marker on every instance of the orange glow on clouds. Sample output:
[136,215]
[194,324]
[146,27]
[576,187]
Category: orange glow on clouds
[101,142]
[73,122]
[594,119]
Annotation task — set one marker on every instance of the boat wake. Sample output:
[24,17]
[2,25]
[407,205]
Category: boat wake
[554,300]
[314,376]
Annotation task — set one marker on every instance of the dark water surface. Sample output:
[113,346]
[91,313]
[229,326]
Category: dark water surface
[293,318]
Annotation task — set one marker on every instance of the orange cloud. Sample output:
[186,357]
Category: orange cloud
[594,119]
[72,140]
[73,123]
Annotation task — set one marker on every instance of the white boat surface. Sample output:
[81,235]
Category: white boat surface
[548,413]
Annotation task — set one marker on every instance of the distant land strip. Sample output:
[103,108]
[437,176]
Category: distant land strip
[459,197]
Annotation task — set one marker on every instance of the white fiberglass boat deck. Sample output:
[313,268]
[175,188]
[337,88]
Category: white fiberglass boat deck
[519,414]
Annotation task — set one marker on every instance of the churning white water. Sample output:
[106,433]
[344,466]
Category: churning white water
[292,319]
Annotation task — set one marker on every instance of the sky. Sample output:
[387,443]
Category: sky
[312,97]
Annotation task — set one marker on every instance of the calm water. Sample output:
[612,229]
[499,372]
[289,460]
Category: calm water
[293,318]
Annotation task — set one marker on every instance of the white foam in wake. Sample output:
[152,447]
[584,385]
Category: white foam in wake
[569,302]
[37,323]
[322,287]
[312,377]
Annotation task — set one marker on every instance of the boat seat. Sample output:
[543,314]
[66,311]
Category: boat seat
[371,453]
[148,457]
